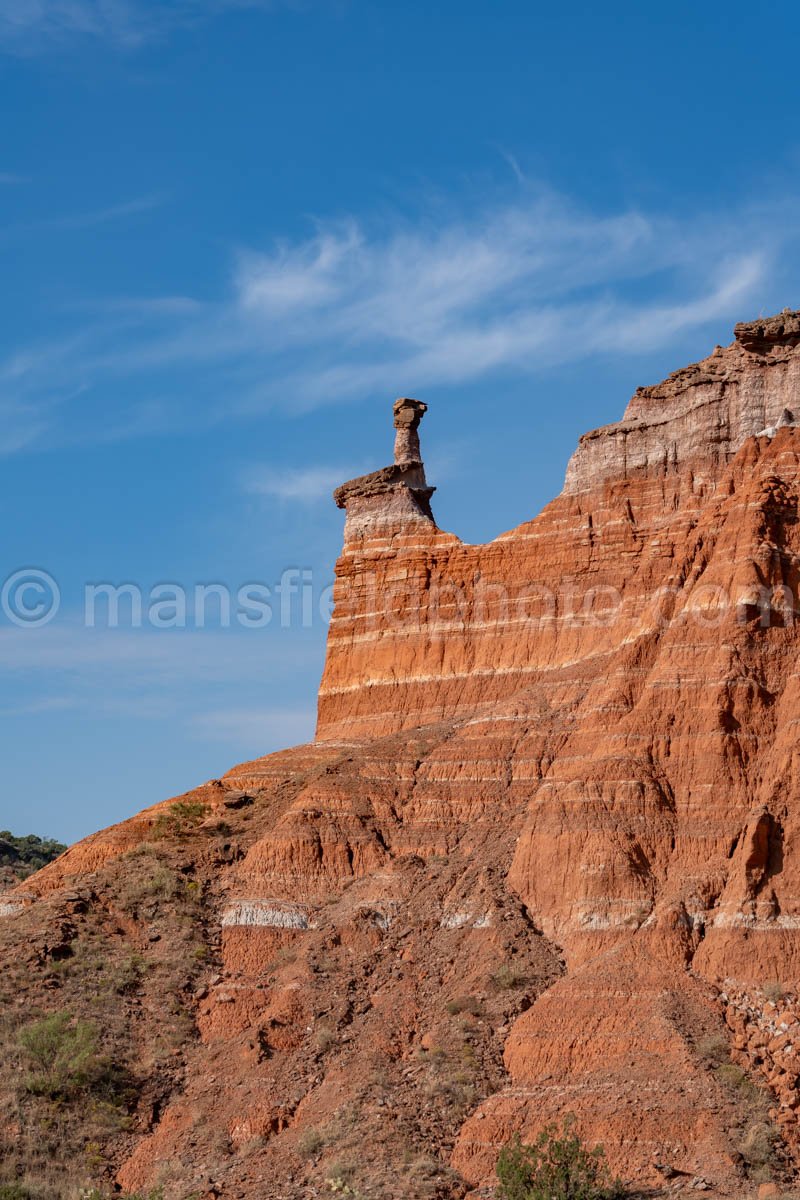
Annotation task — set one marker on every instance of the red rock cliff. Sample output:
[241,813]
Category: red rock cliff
[426,627]
[546,841]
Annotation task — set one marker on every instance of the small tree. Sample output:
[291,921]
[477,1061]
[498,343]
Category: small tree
[556,1167]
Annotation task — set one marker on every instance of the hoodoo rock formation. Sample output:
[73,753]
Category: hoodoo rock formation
[543,856]
[398,494]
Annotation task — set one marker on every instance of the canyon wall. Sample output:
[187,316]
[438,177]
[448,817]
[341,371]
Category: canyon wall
[425,626]
[548,829]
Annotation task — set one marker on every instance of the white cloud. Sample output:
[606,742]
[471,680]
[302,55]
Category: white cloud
[522,288]
[357,309]
[29,26]
[90,219]
[102,216]
[306,484]
[308,276]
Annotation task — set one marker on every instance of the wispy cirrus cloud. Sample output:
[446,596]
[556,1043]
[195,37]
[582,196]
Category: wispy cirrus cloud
[85,219]
[31,26]
[303,484]
[102,216]
[356,309]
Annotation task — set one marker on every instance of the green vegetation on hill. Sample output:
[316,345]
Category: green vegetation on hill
[557,1166]
[24,855]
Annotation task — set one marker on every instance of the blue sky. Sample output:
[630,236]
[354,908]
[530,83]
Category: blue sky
[232,232]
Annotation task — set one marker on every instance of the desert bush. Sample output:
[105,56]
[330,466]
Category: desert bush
[557,1166]
[506,978]
[143,850]
[341,1179]
[738,1080]
[128,974]
[189,811]
[159,883]
[325,1038]
[65,1062]
[62,1054]
[457,1093]
[774,990]
[434,1055]
[714,1048]
[311,1142]
[757,1148]
[731,1075]
[422,1167]
[181,818]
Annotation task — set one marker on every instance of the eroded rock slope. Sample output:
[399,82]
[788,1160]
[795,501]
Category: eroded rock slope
[541,857]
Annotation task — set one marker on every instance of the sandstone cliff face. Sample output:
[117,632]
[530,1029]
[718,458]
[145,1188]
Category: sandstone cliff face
[543,854]
[425,627]
[701,415]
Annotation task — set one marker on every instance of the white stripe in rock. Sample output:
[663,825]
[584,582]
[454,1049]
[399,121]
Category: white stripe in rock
[265,913]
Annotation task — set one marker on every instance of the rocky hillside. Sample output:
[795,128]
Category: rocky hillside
[540,859]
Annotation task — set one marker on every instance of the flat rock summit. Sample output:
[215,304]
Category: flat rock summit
[542,857]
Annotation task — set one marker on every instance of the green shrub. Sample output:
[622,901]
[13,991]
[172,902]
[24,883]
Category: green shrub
[556,1167]
[62,1054]
[65,1062]
[182,817]
[774,990]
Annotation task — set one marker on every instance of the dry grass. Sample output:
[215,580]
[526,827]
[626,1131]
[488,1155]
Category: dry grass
[311,1142]
[714,1049]
[465,1004]
[506,978]
[757,1148]
[154,883]
[325,1037]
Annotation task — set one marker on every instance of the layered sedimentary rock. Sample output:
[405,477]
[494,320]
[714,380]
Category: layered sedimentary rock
[426,626]
[701,415]
[548,830]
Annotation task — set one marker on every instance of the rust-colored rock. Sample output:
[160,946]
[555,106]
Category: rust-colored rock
[543,856]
